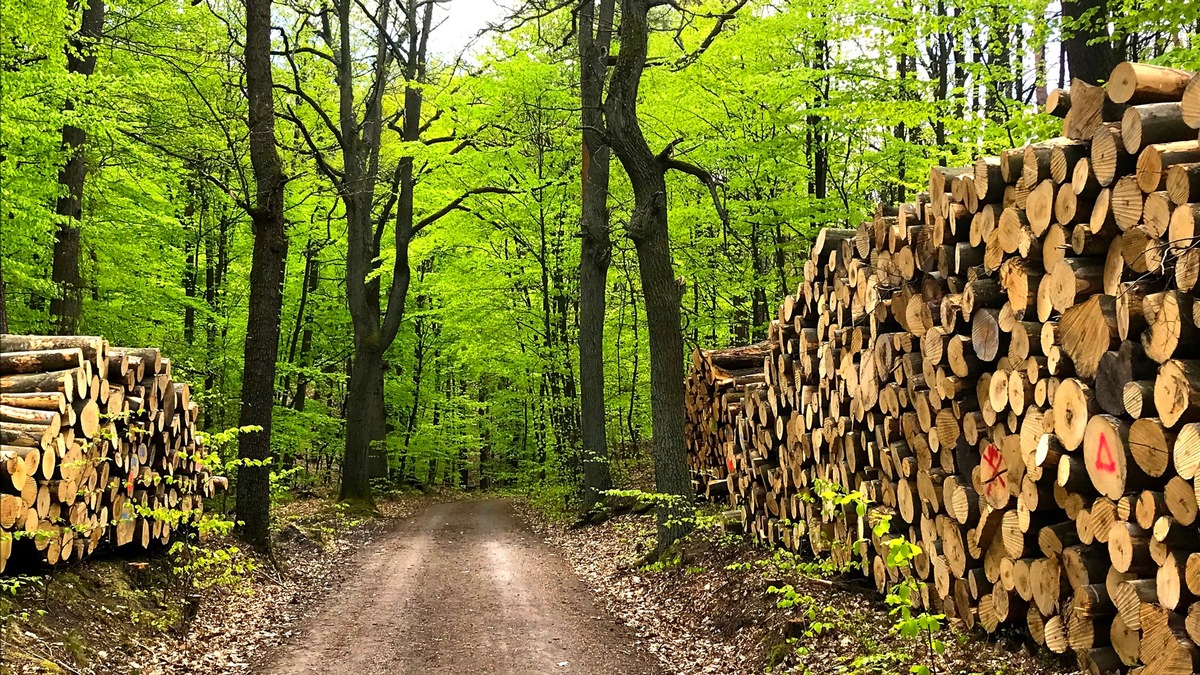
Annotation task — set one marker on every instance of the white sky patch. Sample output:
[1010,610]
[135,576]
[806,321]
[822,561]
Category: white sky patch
[458,23]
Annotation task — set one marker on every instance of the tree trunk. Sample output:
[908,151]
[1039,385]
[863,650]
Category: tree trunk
[189,274]
[3,299]
[67,304]
[901,131]
[661,292]
[313,274]
[377,456]
[361,411]
[298,325]
[1091,53]
[266,282]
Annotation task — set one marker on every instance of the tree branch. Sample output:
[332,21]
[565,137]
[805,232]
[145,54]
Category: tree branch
[722,19]
[704,177]
[457,204]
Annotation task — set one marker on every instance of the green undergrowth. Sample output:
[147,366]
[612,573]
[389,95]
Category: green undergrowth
[74,618]
[808,615]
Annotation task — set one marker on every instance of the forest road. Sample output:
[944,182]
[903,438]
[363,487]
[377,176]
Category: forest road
[463,587]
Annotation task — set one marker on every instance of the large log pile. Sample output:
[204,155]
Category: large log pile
[98,448]
[1009,368]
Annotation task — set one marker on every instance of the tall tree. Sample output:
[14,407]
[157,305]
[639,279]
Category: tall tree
[1091,51]
[661,291]
[397,45]
[3,299]
[595,39]
[266,281]
[67,304]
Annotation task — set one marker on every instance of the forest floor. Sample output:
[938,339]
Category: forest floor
[462,587]
[132,615]
[709,610]
[454,584]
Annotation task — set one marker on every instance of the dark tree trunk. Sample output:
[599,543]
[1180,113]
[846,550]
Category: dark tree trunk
[299,325]
[958,43]
[758,295]
[819,139]
[901,131]
[215,259]
[374,332]
[661,292]
[190,269]
[313,281]
[940,65]
[1091,51]
[266,282]
[361,422]
[485,438]
[3,299]
[364,395]
[780,258]
[67,304]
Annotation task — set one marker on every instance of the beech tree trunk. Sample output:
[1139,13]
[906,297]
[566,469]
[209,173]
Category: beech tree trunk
[596,247]
[648,230]
[3,300]
[266,282]
[67,304]
[312,281]
[1091,52]
[375,328]
[361,418]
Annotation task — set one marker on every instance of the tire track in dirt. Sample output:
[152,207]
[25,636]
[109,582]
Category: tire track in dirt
[463,587]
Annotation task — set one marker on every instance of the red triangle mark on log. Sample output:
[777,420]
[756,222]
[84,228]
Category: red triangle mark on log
[1104,457]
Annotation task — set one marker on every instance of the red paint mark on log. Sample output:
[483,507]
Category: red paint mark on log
[1104,458]
[995,462]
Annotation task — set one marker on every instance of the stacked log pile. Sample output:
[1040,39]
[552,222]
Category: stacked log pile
[98,448]
[1009,370]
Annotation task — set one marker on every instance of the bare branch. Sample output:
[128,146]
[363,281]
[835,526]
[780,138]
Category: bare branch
[456,204]
[704,177]
[722,19]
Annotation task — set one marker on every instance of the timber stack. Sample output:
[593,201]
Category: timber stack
[98,449]
[1008,370]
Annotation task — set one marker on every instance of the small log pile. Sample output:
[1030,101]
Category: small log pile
[98,448]
[1009,370]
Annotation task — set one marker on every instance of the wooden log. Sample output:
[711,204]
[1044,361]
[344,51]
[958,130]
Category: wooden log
[17,362]
[1151,123]
[94,348]
[1177,392]
[1183,183]
[1058,102]
[1150,446]
[1127,202]
[1109,157]
[1074,404]
[1090,108]
[60,381]
[1088,330]
[1155,159]
[1172,329]
[1145,83]
[1116,368]
[1129,549]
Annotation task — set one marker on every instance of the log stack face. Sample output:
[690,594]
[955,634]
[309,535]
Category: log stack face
[98,448]
[1009,369]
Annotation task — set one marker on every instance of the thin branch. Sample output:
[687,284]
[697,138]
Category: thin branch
[722,19]
[704,177]
[456,204]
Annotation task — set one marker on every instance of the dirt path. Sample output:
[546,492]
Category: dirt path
[462,588]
